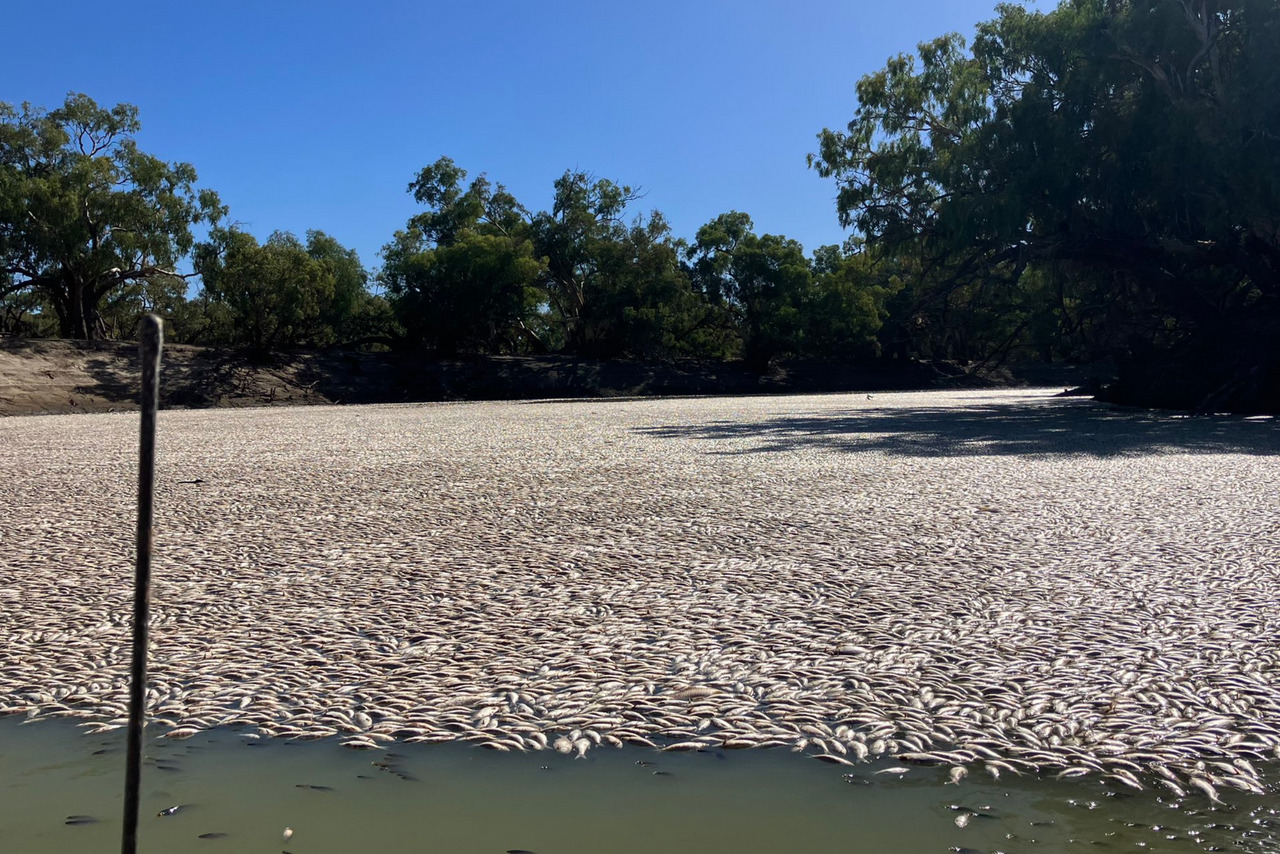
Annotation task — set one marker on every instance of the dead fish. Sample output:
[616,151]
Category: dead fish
[832,759]
[681,746]
[898,771]
[962,820]
[1205,786]
[170,810]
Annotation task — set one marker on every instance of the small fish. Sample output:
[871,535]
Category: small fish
[169,810]
[211,836]
[80,819]
[314,788]
[832,759]
[1207,788]
[663,774]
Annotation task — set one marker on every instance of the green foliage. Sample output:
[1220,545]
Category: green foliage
[638,300]
[85,216]
[586,216]
[462,276]
[1112,165]
[469,296]
[612,288]
[848,303]
[123,308]
[780,303]
[282,293]
[476,272]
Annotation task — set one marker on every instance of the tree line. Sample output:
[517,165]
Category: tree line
[1099,181]
[92,230]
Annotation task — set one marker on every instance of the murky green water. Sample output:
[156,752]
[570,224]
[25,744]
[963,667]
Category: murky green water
[237,794]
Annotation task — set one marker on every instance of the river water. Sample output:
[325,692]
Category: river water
[60,790]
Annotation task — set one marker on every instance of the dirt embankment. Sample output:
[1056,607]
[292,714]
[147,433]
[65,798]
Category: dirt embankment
[55,376]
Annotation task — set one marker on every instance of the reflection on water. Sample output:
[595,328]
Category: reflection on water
[60,791]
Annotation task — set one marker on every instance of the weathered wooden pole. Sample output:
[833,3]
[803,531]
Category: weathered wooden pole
[150,337]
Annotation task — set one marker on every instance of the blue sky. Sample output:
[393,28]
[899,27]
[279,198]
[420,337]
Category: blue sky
[317,115]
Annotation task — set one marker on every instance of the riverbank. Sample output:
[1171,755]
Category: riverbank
[57,376]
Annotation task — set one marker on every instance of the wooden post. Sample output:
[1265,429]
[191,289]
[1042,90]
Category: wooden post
[151,338]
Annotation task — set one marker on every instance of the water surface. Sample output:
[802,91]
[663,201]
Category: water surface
[239,794]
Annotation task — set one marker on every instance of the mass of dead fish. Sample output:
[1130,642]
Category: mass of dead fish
[810,573]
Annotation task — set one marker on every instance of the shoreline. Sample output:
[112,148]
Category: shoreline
[59,377]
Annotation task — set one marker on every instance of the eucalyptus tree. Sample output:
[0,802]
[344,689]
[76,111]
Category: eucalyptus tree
[279,294]
[463,276]
[848,302]
[85,215]
[1129,148]
[761,281]
[587,214]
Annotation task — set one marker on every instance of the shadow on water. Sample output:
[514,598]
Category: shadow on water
[1025,426]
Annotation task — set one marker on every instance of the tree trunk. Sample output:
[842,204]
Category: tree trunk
[77,310]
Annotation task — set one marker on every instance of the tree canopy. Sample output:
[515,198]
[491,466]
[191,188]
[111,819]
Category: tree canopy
[85,215]
[1095,182]
[282,293]
[462,275]
[1113,164]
